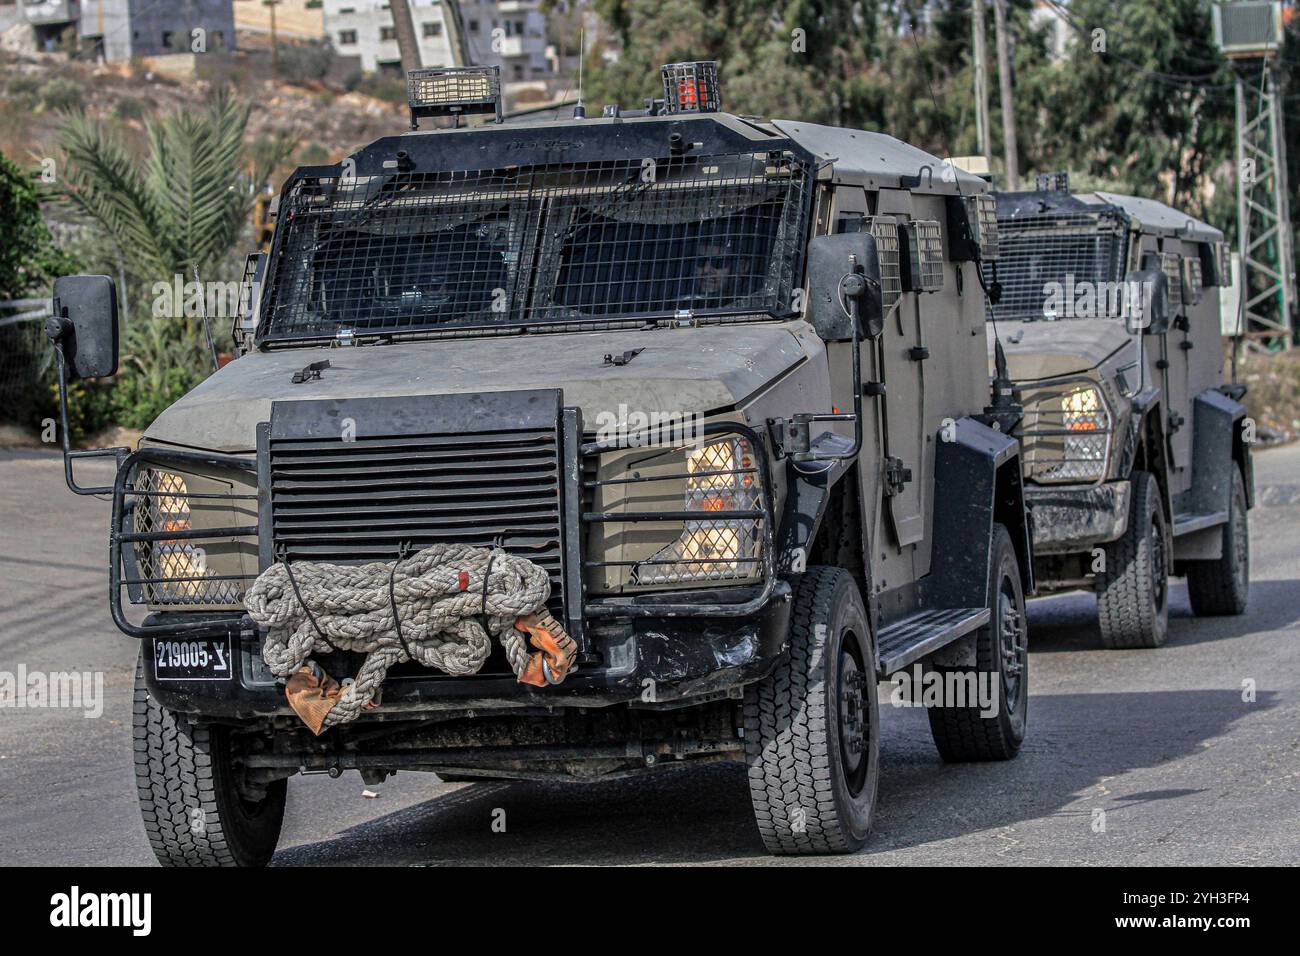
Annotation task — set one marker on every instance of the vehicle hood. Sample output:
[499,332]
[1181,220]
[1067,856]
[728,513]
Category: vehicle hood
[679,370]
[1042,349]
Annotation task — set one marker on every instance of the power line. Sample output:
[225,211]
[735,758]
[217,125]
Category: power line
[1183,81]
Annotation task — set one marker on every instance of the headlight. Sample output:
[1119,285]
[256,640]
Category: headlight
[721,478]
[1067,435]
[188,571]
[712,529]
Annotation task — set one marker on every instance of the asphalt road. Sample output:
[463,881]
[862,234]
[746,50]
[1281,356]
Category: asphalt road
[1186,771]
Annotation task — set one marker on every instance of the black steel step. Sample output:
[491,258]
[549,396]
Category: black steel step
[1186,524]
[910,638]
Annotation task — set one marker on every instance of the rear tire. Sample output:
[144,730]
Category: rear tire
[964,734]
[193,812]
[1222,587]
[1133,591]
[812,731]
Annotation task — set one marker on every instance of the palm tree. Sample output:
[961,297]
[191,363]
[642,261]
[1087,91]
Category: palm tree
[182,206]
[187,203]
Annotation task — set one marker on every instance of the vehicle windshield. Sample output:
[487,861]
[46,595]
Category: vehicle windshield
[1059,266]
[579,242]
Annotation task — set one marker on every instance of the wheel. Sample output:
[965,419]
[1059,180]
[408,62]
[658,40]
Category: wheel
[973,732]
[1133,590]
[193,812]
[812,732]
[1223,586]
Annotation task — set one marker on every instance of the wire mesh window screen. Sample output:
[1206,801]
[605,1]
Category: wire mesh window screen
[889,249]
[1045,260]
[1192,280]
[925,255]
[604,239]
[986,220]
[1172,265]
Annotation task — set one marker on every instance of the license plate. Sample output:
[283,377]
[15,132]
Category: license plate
[192,659]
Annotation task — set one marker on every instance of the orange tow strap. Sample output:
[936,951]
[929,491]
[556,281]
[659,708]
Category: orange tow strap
[556,649]
[312,693]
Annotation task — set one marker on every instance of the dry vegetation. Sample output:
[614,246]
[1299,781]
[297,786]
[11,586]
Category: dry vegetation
[324,120]
[1273,395]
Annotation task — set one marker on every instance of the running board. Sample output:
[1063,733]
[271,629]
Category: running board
[911,638]
[1186,524]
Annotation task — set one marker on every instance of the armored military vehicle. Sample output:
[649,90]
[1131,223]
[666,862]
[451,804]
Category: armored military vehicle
[722,378]
[1136,454]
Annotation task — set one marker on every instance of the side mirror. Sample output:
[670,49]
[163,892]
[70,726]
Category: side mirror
[84,325]
[830,260]
[1146,301]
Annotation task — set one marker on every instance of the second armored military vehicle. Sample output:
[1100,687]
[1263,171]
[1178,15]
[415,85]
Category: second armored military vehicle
[722,378]
[1137,455]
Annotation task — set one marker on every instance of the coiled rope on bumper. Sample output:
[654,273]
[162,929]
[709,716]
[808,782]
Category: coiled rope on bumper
[441,607]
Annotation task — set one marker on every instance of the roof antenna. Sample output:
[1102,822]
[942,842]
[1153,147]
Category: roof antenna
[580,111]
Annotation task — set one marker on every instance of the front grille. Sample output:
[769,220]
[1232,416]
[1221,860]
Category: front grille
[423,479]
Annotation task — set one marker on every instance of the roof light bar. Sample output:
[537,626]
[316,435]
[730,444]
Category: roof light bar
[453,91]
[691,87]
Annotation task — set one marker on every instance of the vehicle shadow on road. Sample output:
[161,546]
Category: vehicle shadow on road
[702,815]
[1068,622]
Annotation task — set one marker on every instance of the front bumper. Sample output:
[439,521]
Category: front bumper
[1071,518]
[652,648]
[645,661]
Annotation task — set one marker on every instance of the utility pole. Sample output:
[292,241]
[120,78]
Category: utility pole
[981,80]
[455,27]
[1008,107]
[275,43]
[1252,39]
[406,40]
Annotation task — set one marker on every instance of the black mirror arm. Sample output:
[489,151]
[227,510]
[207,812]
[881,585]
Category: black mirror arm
[118,454]
[852,287]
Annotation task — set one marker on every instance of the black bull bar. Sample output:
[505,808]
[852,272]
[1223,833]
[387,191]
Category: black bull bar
[130,494]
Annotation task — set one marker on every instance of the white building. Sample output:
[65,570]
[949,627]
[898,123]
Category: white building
[120,29]
[506,33]
[1047,19]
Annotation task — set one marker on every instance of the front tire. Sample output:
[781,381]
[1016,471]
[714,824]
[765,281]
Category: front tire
[968,733]
[1133,591]
[812,729]
[193,812]
[1222,587]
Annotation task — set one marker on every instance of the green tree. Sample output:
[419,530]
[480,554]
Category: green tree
[30,260]
[1152,112]
[802,59]
[29,257]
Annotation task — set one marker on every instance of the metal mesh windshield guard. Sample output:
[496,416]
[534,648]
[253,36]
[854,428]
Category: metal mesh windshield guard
[1037,252]
[421,251]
